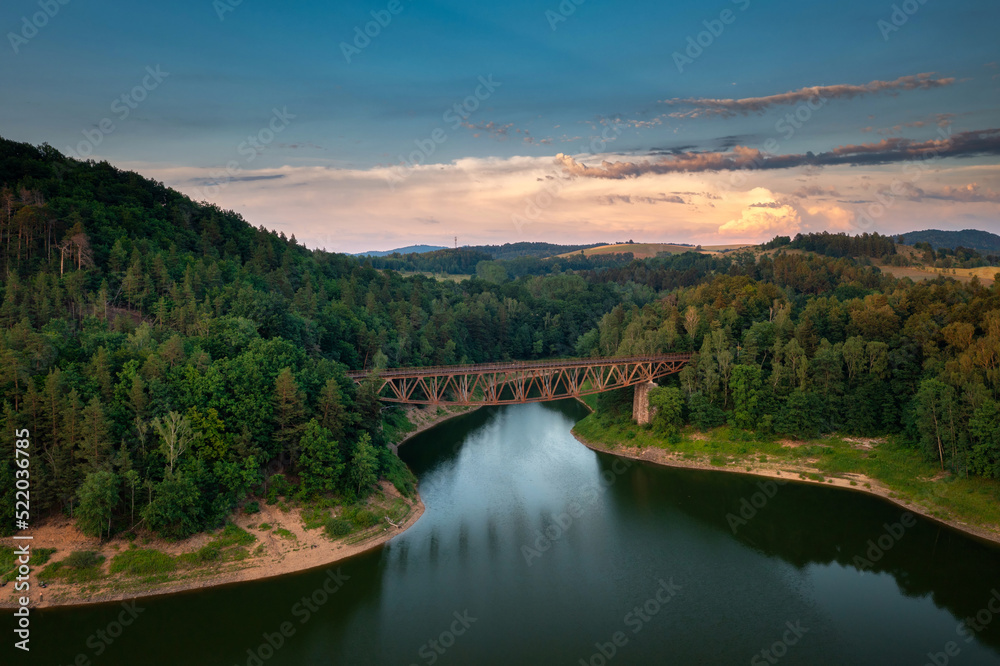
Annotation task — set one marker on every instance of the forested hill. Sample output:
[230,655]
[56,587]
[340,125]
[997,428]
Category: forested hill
[982,242]
[169,358]
[171,361]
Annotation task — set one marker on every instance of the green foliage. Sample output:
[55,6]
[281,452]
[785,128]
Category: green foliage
[315,516]
[251,507]
[364,466]
[98,498]
[704,414]
[138,306]
[77,567]
[338,527]
[175,511]
[668,404]
[142,562]
[746,383]
[800,416]
[397,473]
[320,466]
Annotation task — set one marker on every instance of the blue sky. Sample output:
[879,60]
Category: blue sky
[342,172]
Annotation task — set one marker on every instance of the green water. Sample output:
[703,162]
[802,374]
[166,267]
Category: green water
[644,565]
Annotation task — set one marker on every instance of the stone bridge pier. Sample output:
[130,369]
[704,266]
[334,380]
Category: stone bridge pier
[641,412]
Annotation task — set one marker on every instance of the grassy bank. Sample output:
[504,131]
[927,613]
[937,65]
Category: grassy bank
[902,472]
[282,536]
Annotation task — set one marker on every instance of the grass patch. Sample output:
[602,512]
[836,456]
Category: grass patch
[78,567]
[9,563]
[285,534]
[232,535]
[142,562]
[903,470]
[313,517]
[338,527]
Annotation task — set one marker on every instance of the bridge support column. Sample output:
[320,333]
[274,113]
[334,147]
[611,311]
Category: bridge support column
[641,413]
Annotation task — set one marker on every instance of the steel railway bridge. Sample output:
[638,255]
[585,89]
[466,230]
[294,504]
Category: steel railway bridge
[521,381]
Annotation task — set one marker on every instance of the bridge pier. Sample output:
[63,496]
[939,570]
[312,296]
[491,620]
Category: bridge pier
[641,412]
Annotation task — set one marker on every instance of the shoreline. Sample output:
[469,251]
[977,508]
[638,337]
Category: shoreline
[312,552]
[308,550]
[427,420]
[874,487]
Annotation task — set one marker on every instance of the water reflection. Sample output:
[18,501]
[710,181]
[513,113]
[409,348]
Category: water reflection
[497,480]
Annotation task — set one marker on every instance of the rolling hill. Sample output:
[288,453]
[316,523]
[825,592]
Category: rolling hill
[984,242]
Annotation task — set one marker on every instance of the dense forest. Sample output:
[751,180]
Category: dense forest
[171,361]
[981,241]
[803,345]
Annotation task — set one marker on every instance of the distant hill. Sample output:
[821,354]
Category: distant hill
[981,241]
[409,249]
[648,250]
[524,249]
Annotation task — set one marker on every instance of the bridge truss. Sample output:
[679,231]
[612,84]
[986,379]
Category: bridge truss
[519,381]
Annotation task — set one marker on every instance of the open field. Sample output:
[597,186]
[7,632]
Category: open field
[648,250]
[916,273]
[440,277]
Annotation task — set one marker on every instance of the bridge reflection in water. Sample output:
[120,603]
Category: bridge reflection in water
[519,381]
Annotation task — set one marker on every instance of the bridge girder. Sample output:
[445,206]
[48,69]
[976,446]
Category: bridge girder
[521,381]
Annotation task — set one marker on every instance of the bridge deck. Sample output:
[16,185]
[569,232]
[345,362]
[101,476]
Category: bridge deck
[520,381]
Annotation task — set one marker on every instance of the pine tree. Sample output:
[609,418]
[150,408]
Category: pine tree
[364,465]
[330,409]
[289,415]
[94,444]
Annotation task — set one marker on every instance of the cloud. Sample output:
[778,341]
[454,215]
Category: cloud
[971,193]
[208,182]
[494,129]
[939,119]
[757,222]
[964,144]
[503,132]
[730,107]
[807,191]
[611,199]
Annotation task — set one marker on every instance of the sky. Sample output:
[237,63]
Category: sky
[378,124]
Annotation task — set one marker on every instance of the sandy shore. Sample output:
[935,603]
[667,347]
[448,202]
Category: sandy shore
[280,555]
[862,483]
[308,549]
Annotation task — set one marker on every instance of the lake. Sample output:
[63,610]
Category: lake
[536,550]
